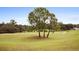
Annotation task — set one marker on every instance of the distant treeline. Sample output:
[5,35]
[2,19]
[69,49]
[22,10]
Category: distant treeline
[68,26]
[13,27]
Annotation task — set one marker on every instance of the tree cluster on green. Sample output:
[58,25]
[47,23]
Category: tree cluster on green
[41,19]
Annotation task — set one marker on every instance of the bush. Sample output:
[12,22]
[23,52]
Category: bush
[8,29]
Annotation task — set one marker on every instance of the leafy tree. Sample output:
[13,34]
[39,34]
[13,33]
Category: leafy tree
[13,22]
[42,19]
[37,18]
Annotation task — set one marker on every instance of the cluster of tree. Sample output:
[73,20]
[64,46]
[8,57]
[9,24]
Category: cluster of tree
[68,26]
[41,20]
[12,27]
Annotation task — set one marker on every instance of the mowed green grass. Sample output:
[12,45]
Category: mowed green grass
[27,41]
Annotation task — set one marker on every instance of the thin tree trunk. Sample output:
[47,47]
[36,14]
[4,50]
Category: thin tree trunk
[39,34]
[48,33]
[44,34]
[44,29]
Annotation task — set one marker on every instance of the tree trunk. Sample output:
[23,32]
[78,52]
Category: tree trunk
[48,33]
[44,34]
[39,34]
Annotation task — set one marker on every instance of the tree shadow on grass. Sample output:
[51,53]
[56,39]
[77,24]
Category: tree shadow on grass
[3,48]
[35,38]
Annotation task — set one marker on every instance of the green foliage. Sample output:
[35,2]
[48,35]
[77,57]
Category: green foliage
[8,29]
[42,19]
[12,27]
[13,22]
[58,27]
[66,26]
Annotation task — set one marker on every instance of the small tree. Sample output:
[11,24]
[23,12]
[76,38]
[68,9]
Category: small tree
[13,22]
[42,19]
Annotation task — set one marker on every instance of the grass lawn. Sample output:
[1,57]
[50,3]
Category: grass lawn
[64,40]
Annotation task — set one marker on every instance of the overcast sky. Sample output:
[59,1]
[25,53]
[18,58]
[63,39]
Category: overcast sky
[20,14]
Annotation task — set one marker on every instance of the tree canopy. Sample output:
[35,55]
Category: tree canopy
[42,19]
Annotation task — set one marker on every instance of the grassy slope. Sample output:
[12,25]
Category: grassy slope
[67,40]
